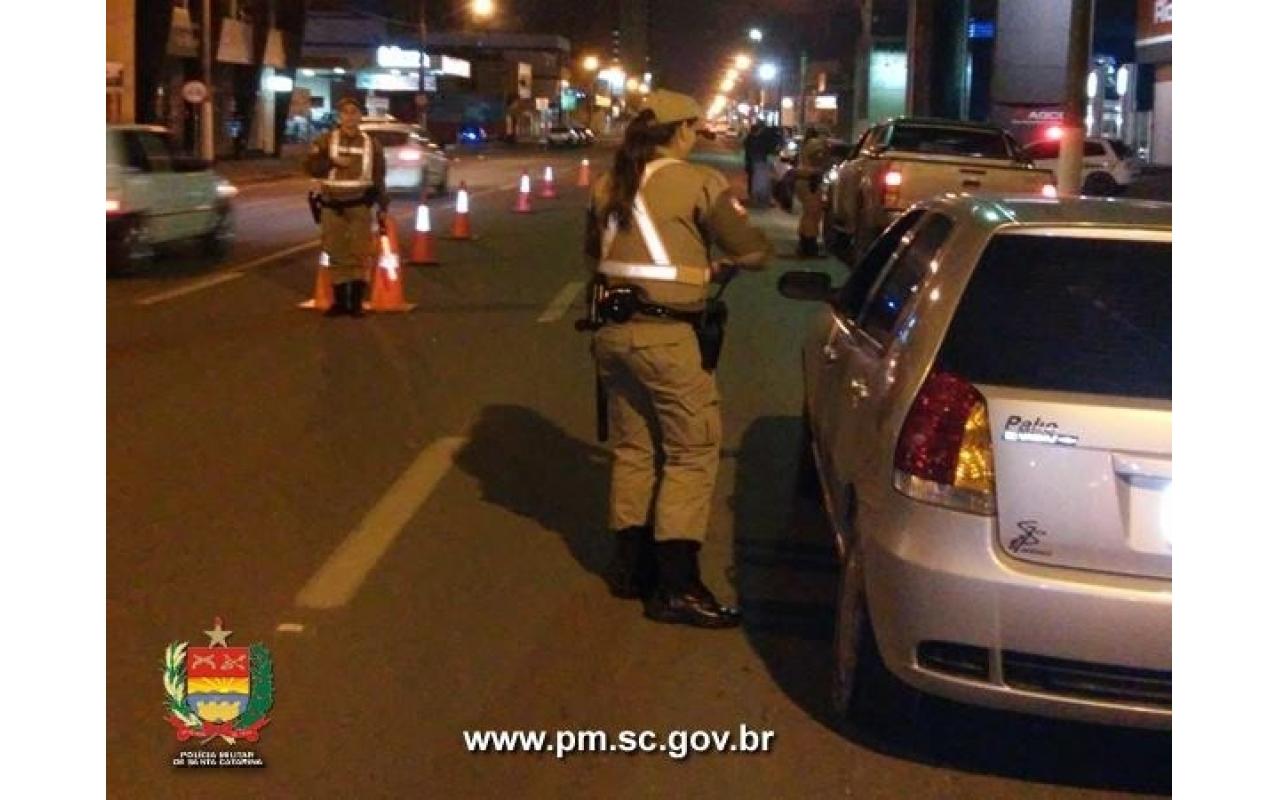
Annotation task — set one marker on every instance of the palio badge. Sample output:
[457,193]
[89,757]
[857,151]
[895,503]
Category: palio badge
[218,691]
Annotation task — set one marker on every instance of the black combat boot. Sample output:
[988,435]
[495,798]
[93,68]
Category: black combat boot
[339,305]
[355,298]
[680,597]
[633,572]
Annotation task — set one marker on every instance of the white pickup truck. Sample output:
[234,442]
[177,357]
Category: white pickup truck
[156,196]
[905,160]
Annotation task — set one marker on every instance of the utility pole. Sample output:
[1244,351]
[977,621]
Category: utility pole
[421,99]
[1071,152]
[804,78]
[206,107]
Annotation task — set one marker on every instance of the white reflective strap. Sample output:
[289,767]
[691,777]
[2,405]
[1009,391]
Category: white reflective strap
[324,259]
[640,211]
[366,161]
[346,184]
[667,273]
[464,205]
[388,259]
[423,222]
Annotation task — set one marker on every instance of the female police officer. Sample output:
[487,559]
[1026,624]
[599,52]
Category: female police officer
[650,229]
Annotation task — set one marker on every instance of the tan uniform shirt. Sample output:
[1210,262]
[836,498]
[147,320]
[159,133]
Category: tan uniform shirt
[318,165]
[692,210]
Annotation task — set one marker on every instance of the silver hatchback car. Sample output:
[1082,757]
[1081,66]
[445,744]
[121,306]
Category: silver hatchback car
[988,408]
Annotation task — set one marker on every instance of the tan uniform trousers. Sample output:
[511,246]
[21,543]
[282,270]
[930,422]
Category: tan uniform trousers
[659,395]
[810,208]
[346,237]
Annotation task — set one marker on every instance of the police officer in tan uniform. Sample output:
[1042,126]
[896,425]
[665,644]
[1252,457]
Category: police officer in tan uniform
[351,169]
[810,165]
[652,224]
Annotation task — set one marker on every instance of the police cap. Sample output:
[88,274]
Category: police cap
[672,106]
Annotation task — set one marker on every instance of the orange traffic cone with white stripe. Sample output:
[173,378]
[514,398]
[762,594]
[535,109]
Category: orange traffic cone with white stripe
[462,215]
[423,251]
[584,173]
[522,199]
[548,190]
[388,283]
[322,298]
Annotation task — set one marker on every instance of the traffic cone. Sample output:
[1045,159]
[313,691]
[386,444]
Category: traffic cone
[548,190]
[462,215]
[323,297]
[584,173]
[522,199]
[388,283]
[424,243]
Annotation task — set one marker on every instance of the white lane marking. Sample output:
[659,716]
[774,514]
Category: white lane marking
[561,302]
[229,274]
[338,579]
[190,288]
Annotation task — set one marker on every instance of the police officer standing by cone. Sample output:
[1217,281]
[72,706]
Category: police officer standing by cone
[351,169]
[650,231]
[809,169]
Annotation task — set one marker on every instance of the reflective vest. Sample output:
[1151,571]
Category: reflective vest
[365,151]
[660,267]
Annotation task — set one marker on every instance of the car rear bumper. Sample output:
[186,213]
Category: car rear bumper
[957,618]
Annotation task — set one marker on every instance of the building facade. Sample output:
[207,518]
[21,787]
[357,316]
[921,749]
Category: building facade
[1154,98]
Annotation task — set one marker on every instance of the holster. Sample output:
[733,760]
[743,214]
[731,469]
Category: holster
[709,331]
[314,203]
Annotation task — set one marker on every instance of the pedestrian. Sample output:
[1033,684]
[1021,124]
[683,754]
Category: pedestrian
[652,224]
[757,149]
[351,169]
[810,165]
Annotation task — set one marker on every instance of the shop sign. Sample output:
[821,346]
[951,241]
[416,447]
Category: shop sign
[386,82]
[459,67]
[392,56]
[273,55]
[235,43]
[826,102]
[182,35]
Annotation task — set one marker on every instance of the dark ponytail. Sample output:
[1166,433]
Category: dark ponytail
[643,136]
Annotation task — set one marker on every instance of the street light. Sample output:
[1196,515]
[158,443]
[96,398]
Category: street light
[483,9]
[756,35]
[726,85]
[742,62]
[768,72]
[591,63]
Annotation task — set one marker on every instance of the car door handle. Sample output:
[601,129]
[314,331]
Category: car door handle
[859,388]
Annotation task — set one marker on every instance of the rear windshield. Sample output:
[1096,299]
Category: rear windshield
[1069,315]
[949,141]
[391,138]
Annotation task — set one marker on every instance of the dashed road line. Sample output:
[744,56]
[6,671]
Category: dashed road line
[341,575]
[562,301]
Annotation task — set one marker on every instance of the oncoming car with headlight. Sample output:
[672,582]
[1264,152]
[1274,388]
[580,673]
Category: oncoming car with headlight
[988,424]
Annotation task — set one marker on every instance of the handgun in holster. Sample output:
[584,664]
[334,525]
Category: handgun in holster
[313,202]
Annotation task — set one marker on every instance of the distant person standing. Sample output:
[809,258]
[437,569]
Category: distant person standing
[756,151]
[810,164]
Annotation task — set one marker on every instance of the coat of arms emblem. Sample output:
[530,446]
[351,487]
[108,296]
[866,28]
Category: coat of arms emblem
[218,691]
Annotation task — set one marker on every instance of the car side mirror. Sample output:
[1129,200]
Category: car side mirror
[805,285]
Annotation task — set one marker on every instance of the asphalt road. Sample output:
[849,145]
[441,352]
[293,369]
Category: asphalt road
[408,511]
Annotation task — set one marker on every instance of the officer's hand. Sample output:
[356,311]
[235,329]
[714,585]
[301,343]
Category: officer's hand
[722,271]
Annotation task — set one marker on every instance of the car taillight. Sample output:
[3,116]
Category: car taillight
[113,205]
[891,186]
[409,154]
[1049,190]
[944,453]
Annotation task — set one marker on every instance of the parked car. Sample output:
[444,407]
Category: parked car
[560,136]
[785,179]
[156,196]
[1109,164]
[987,422]
[413,160]
[904,160]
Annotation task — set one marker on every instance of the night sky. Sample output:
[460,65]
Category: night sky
[691,40]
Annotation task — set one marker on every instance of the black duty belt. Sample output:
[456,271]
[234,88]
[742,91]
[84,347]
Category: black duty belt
[339,205]
[666,312]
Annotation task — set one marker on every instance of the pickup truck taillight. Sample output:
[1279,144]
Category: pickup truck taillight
[113,205]
[1049,190]
[944,454]
[890,188]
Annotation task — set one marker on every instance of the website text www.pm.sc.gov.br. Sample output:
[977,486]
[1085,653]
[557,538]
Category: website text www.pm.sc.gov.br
[677,745]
